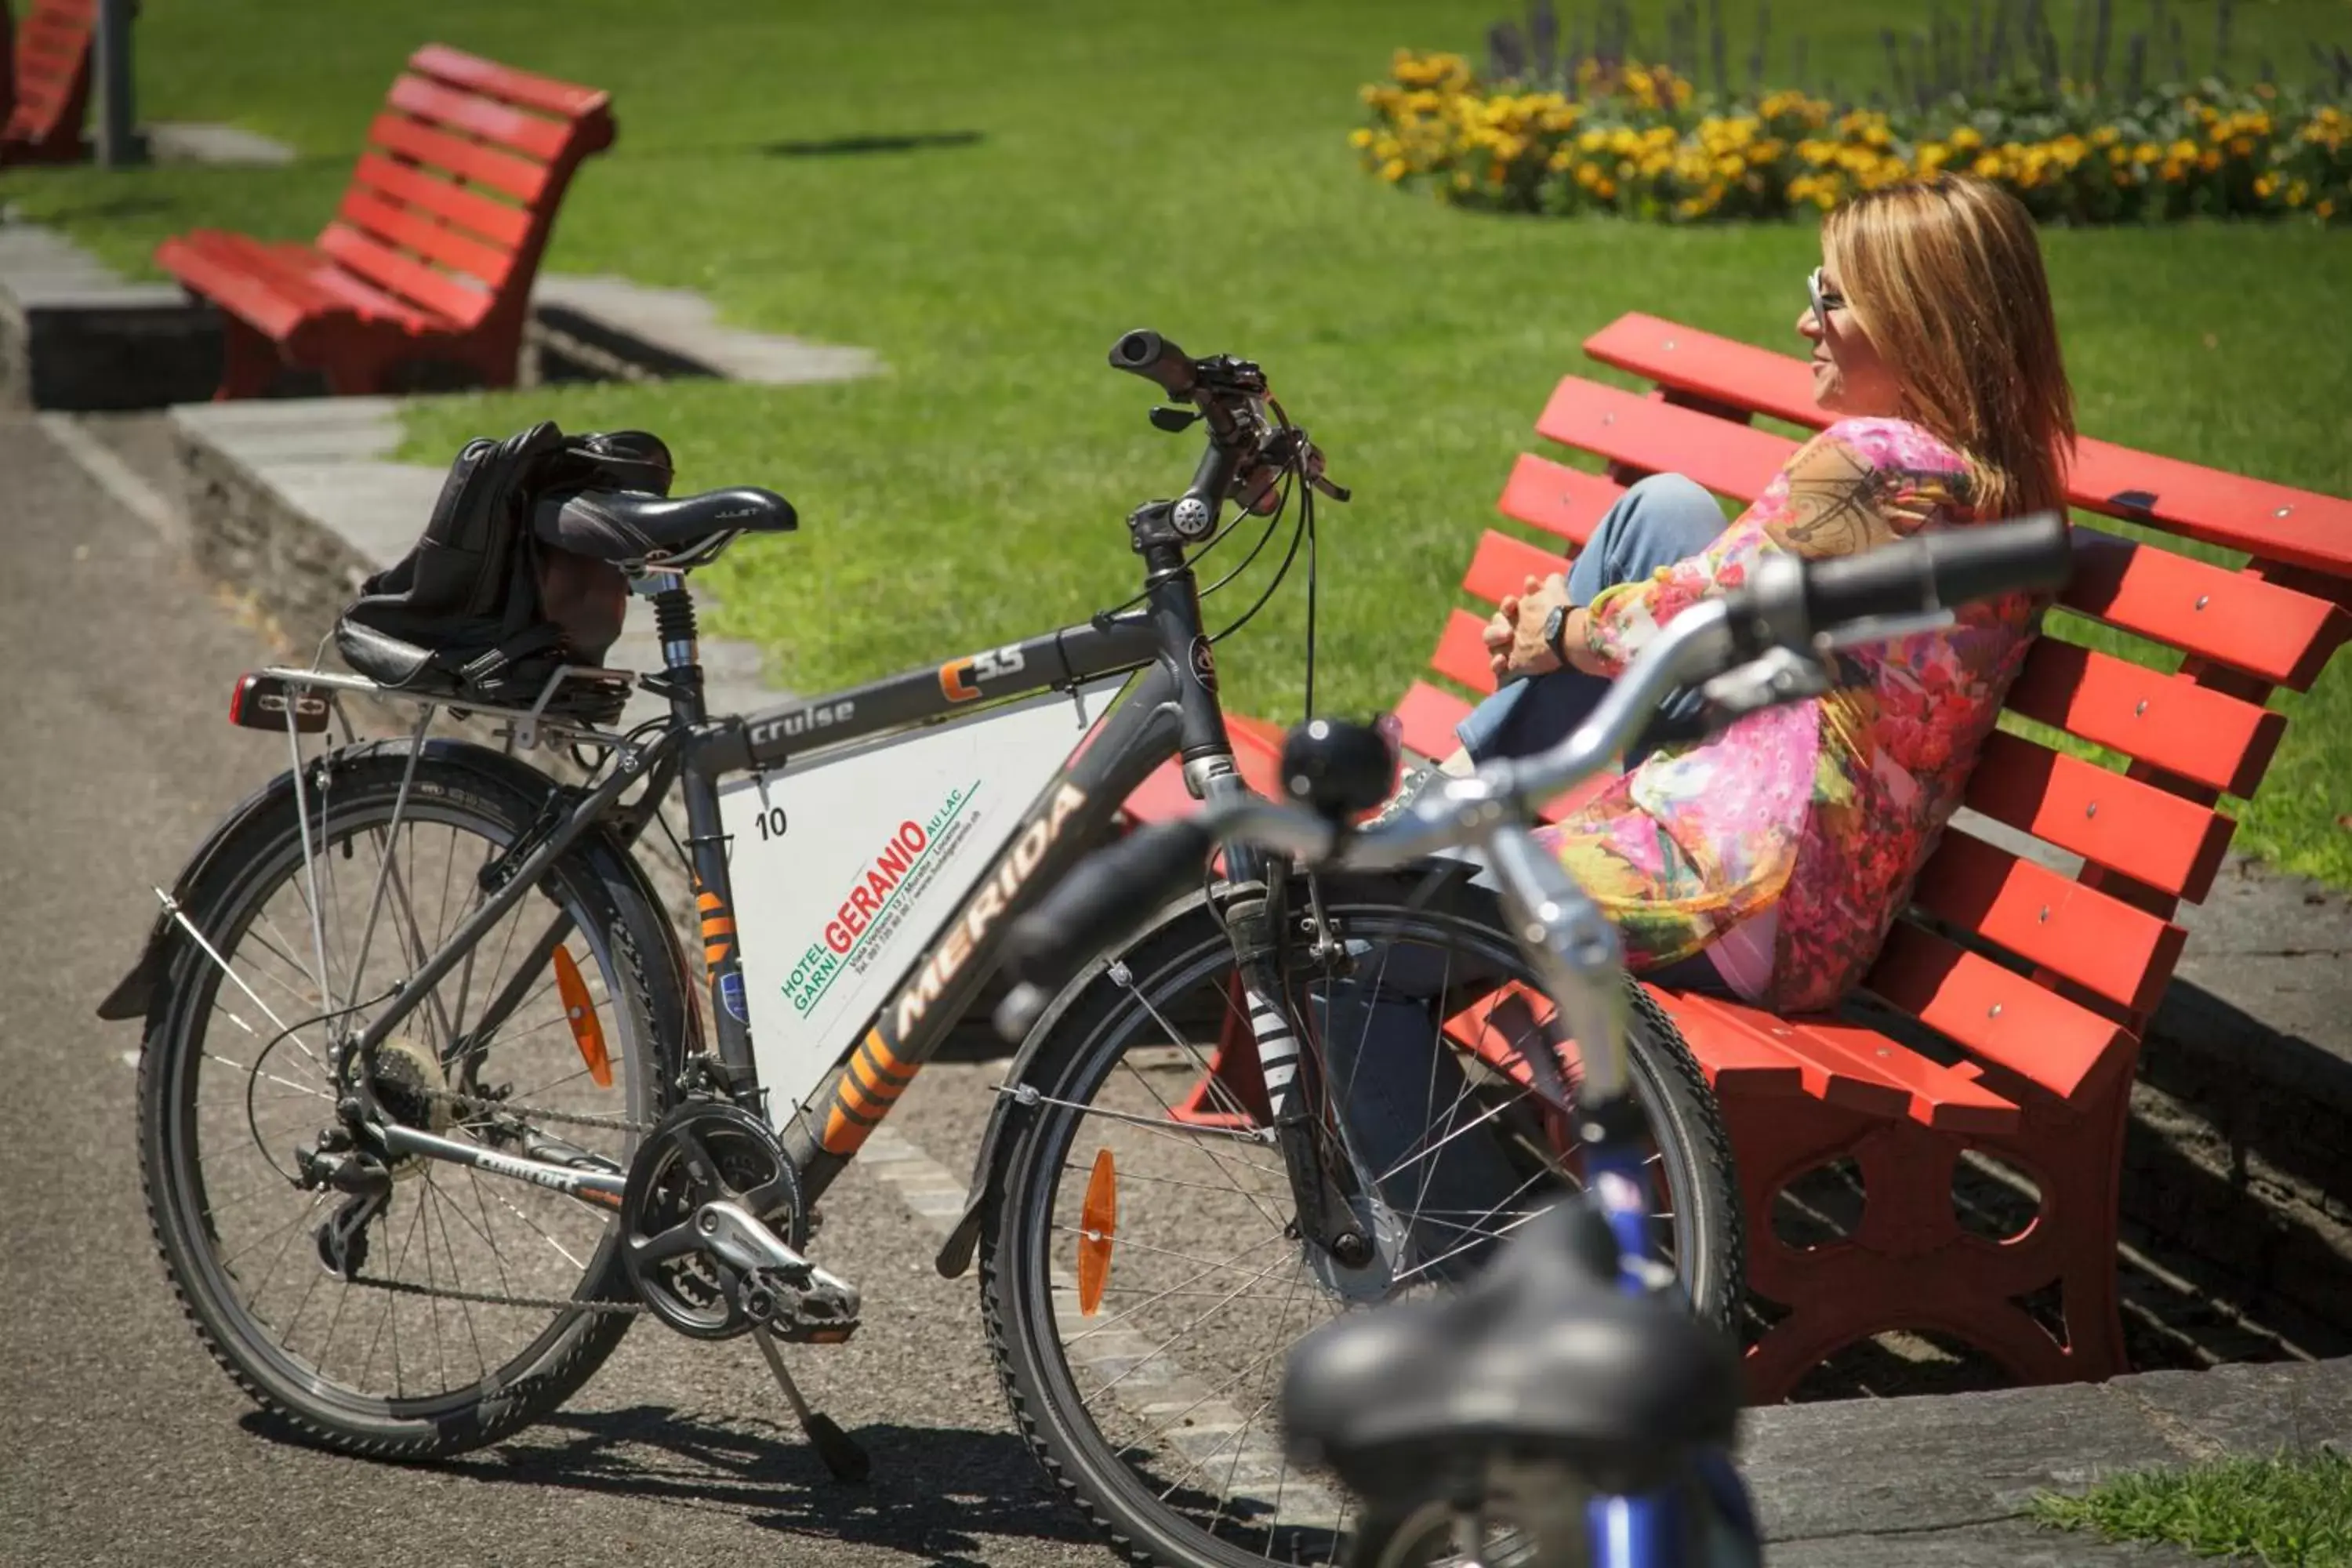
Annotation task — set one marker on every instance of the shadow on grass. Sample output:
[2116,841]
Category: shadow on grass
[936,1492]
[846,146]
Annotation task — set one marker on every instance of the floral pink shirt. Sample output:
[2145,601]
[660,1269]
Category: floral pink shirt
[1822,811]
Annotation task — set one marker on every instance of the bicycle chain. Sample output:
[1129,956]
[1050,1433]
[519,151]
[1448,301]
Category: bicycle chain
[547,1303]
[450,1293]
[508,1106]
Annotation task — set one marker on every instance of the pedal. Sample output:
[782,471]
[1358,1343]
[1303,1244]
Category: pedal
[781,1291]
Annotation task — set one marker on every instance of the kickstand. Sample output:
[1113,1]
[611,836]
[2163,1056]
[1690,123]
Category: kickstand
[837,1448]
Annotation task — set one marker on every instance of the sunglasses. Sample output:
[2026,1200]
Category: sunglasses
[1823,300]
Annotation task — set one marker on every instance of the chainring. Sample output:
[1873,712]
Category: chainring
[704,1152]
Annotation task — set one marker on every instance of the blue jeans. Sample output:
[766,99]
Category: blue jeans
[1664,519]
[1400,1094]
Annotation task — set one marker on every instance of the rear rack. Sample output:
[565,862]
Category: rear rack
[528,725]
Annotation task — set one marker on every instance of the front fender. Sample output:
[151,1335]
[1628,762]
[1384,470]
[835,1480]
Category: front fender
[1175,924]
[955,1255]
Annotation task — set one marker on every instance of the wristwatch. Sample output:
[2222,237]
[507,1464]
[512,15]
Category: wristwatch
[1555,626]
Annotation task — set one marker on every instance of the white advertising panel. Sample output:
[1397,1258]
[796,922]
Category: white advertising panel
[845,864]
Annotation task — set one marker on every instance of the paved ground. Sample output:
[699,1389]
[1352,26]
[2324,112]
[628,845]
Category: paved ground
[126,1444]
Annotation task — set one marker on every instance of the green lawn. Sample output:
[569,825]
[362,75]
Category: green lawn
[2289,1512]
[1094,167]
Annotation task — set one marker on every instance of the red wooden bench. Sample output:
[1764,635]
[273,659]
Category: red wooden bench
[2032,984]
[46,98]
[430,257]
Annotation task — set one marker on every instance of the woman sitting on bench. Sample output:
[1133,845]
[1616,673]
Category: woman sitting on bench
[1767,862]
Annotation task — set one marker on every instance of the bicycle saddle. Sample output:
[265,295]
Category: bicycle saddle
[633,528]
[1543,1357]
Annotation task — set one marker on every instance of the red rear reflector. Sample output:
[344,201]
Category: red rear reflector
[263,701]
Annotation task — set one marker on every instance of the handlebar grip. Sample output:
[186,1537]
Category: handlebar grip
[1933,570]
[1096,906]
[1156,358]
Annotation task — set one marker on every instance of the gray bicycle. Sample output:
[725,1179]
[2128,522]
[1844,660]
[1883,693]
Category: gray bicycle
[434,1101]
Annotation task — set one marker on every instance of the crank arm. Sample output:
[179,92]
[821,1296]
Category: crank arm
[730,1232]
[599,1188]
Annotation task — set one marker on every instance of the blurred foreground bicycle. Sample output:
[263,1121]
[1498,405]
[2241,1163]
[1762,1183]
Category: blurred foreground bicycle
[1564,1407]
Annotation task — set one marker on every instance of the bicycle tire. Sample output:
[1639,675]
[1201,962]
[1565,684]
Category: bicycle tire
[630,950]
[1097,1022]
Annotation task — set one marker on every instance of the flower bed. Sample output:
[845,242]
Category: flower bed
[1639,140]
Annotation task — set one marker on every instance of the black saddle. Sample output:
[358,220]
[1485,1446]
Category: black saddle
[637,530]
[1543,1357]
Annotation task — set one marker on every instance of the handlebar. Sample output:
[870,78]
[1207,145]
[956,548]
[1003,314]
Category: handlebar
[1758,645]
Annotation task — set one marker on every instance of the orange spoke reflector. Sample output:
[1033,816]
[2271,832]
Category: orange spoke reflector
[1098,1223]
[587,1033]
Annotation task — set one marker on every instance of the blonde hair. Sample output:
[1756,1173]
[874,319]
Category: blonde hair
[1945,275]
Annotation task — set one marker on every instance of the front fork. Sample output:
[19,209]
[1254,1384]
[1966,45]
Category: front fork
[1323,1183]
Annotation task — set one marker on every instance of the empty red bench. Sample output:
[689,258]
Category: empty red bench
[2021,990]
[430,257]
[45,90]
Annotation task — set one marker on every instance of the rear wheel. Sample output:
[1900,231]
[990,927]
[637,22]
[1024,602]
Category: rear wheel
[470,1304]
[1141,1274]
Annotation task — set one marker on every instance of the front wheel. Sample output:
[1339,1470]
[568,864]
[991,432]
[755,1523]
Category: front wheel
[1142,1276]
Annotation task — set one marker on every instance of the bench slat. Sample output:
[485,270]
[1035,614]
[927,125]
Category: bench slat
[459,68]
[477,116]
[1735,460]
[517,177]
[2275,522]
[2206,610]
[1733,1058]
[1827,1075]
[2231,617]
[1998,1015]
[1846,1064]
[412,230]
[2122,953]
[412,185]
[367,297]
[437,291]
[2192,730]
[1556,498]
[245,276]
[1462,653]
[1503,564]
[1427,716]
[2126,825]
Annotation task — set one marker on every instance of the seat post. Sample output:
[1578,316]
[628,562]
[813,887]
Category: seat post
[681,652]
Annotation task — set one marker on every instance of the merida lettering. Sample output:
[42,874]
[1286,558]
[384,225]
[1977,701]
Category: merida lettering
[995,895]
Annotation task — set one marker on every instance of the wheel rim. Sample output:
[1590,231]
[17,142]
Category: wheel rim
[1179,1365]
[245,1089]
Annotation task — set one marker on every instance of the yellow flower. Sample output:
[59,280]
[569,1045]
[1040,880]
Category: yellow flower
[1393,170]
[2326,207]
[1987,167]
[1606,190]
[2147,153]
[1593,140]
[1966,137]
[1360,138]
[2265,184]
[2184,149]
[2107,136]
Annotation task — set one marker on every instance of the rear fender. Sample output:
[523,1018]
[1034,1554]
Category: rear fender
[136,993]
